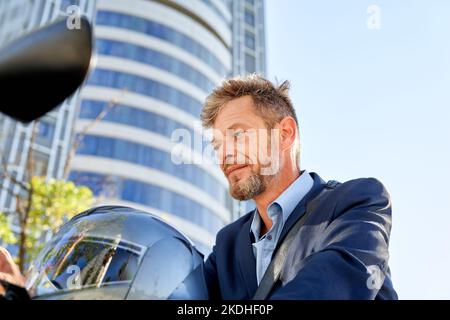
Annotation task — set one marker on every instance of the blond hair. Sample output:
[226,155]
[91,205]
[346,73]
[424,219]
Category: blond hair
[271,102]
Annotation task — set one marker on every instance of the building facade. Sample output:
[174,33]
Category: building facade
[249,45]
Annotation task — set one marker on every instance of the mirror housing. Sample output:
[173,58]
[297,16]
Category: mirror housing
[41,69]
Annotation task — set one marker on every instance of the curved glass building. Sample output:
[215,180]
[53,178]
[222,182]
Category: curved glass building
[156,63]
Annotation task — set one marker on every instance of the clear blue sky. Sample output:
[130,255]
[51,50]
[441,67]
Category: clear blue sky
[376,103]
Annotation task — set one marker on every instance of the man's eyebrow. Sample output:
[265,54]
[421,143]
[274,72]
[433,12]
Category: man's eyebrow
[233,126]
[238,124]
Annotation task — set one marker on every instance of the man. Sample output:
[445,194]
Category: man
[9,271]
[341,250]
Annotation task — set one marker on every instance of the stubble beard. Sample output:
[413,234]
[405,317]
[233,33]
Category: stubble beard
[248,188]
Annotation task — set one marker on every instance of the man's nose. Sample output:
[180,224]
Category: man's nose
[229,151]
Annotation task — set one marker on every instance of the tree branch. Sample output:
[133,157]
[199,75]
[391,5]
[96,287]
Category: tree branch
[80,136]
[5,173]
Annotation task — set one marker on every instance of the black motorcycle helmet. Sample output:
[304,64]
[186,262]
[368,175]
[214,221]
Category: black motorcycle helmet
[115,252]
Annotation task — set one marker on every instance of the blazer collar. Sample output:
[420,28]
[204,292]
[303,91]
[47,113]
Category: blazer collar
[300,209]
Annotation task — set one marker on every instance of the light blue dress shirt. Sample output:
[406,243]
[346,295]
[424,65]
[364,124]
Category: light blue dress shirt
[278,211]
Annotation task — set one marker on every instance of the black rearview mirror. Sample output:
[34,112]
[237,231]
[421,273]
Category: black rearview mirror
[41,69]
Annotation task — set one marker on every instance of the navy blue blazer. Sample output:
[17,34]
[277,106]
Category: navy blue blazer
[341,251]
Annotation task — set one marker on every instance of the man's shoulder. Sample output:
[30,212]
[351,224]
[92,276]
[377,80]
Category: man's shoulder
[362,186]
[358,185]
[358,193]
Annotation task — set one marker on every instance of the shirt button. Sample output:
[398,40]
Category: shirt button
[269,237]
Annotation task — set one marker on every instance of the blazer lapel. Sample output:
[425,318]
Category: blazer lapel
[246,258]
[300,209]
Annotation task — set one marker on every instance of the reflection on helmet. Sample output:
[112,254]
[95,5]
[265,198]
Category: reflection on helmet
[114,252]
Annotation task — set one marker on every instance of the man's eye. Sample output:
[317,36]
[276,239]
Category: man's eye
[238,134]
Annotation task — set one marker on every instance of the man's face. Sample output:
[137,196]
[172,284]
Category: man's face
[242,143]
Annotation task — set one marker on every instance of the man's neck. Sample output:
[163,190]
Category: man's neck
[279,184]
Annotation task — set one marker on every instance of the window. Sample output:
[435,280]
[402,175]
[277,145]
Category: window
[40,162]
[249,40]
[249,18]
[250,63]
[45,133]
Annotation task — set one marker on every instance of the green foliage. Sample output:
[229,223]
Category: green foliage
[53,202]
[6,234]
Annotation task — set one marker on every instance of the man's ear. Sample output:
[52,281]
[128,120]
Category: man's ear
[288,133]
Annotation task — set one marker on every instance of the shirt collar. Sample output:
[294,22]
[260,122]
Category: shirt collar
[287,201]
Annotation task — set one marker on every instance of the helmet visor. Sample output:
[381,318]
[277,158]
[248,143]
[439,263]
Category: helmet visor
[77,262]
